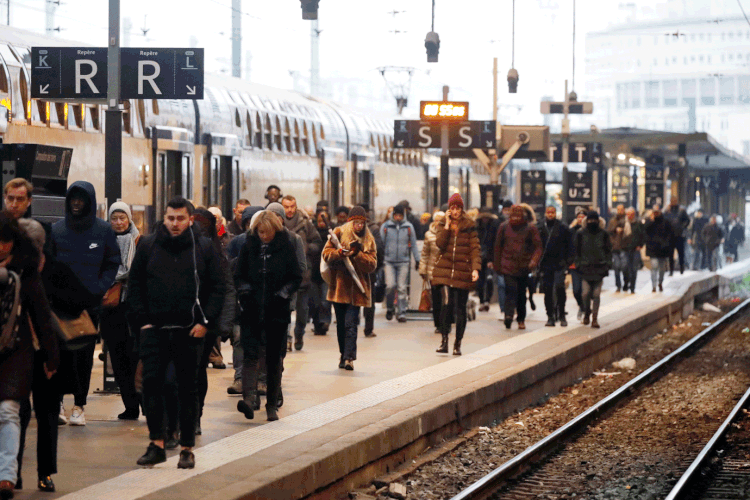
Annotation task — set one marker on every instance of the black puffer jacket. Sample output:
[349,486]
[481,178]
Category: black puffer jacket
[593,253]
[659,237]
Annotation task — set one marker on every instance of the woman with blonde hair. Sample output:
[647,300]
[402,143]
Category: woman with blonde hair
[266,276]
[427,261]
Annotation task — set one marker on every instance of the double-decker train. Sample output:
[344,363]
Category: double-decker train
[235,142]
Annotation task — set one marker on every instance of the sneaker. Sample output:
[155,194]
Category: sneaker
[173,441]
[389,315]
[370,335]
[187,460]
[154,455]
[349,365]
[219,365]
[402,319]
[580,314]
[342,363]
[77,417]
[61,418]
[235,388]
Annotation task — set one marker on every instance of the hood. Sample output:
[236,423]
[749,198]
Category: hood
[86,220]
[248,213]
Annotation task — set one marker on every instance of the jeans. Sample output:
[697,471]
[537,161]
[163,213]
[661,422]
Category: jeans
[303,313]
[347,320]
[320,308]
[592,291]
[714,259]
[120,344]
[237,353]
[553,286]
[632,264]
[577,287]
[699,257]
[266,340]
[658,268]
[619,264]
[452,303]
[501,292]
[159,346]
[679,244]
[10,436]
[515,296]
[396,274]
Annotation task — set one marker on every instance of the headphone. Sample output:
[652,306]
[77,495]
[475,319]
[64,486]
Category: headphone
[273,186]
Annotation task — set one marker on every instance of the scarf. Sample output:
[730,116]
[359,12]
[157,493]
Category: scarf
[628,230]
[126,242]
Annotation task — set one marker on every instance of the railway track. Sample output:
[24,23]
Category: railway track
[612,449]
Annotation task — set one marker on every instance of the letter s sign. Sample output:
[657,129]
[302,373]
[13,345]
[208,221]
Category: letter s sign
[463,133]
[424,133]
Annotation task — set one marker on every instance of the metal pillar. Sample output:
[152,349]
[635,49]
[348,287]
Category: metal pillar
[444,157]
[565,148]
[314,59]
[113,115]
[237,38]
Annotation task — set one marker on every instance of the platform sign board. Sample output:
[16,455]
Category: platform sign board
[411,134]
[162,73]
[578,152]
[654,184]
[580,192]
[69,72]
[533,190]
[621,185]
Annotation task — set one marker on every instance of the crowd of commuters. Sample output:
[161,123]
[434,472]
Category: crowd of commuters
[165,301]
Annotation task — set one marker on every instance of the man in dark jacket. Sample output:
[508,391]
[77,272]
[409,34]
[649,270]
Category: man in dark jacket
[235,227]
[712,238]
[696,240]
[735,237]
[679,220]
[89,247]
[487,224]
[176,294]
[632,241]
[299,223]
[557,255]
[593,250]
[659,238]
[616,229]
[369,312]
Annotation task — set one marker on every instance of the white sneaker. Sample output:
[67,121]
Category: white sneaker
[77,417]
[61,418]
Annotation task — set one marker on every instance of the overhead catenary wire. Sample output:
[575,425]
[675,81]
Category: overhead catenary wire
[433,15]
[513,39]
[574,47]
[743,11]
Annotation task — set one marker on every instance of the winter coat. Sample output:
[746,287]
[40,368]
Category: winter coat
[17,364]
[695,230]
[735,237]
[234,228]
[459,254]
[300,225]
[593,253]
[678,219]
[712,235]
[86,244]
[518,250]
[658,238]
[342,289]
[374,228]
[616,238]
[487,225]
[162,289]
[636,238]
[266,277]
[430,252]
[557,246]
[67,296]
[399,241]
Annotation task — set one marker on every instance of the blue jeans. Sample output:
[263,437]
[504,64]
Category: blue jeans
[347,320]
[632,264]
[619,264]
[658,268]
[577,287]
[501,291]
[237,353]
[396,274]
[10,438]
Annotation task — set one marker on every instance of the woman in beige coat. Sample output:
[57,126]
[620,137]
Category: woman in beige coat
[430,256]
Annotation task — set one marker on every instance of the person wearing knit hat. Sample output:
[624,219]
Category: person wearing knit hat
[593,250]
[518,250]
[457,270]
[358,246]
[400,241]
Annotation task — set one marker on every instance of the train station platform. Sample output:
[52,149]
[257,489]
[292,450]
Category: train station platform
[339,429]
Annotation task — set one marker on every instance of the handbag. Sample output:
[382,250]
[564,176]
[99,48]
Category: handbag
[378,289]
[112,296]
[425,301]
[77,331]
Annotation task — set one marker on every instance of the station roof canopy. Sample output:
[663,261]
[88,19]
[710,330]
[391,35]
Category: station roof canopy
[703,152]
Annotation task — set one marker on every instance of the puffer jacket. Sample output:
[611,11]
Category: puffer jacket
[593,253]
[517,250]
[399,241]
[430,252]
[460,255]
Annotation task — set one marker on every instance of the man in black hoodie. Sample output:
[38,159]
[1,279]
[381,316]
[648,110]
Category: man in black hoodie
[176,294]
[557,255]
[88,246]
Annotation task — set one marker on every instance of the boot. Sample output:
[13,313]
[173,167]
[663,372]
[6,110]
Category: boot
[594,322]
[457,347]
[586,319]
[443,344]
[550,321]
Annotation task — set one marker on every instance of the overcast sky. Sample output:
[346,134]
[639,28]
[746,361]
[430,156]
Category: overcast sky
[357,38]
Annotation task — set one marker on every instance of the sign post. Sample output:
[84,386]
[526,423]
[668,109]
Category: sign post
[579,191]
[444,156]
[113,114]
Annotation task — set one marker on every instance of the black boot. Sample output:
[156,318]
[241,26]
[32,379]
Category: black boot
[443,344]
[550,321]
[457,347]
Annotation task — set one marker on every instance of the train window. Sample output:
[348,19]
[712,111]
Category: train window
[322,133]
[314,137]
[277,135]
[93,121]
[237,118]
[248,131]
[142,114]
[155,106]
[60,115]
[258,131]
[295,137]
[305,146]
[75,116]
[287,136]
[42,108]
[268,140]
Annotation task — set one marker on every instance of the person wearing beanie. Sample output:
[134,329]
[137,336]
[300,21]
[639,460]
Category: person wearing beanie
[457,270]
[518,250]
[400,242]
[357,245]
[593,249]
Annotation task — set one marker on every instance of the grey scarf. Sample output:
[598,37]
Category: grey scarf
[126,242]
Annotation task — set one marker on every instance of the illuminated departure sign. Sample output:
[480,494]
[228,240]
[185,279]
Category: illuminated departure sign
[443,111]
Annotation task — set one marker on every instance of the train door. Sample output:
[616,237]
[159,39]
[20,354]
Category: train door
[173,166]
[333,176]
[224,176]
[364,167]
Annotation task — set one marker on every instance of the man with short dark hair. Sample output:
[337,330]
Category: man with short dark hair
[176,293]
[273,193]
[17,197]
[235,227]
[342,214]
[557,255]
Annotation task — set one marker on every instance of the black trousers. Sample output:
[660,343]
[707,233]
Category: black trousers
[553,286]
[208,346]
[46,408]
[436,306]
[679,244]
[484,284]
[159,346]
[256,338]
[452,306]
[515,296]
[121,347]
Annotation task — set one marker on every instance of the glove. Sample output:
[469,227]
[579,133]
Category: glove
[355,248]
[416,266]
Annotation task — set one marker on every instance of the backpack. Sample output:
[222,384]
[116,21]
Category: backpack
[10,309]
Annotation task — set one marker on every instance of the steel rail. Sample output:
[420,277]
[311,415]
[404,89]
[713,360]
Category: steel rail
[487,485]
[684,486]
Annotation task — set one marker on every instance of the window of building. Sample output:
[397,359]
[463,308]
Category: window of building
[746,148]
[635,95]
[692,37]
[688,92]
[744,89]
[670,92]
[700,58]
[708,91]
[652,94]
[731,57]
[726,90]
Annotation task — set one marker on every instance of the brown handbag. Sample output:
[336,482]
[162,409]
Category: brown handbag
[77,330]
[113,295]
[425,301]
